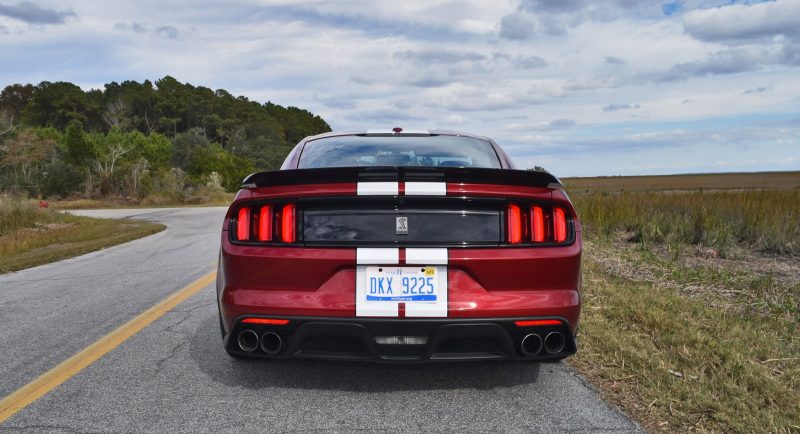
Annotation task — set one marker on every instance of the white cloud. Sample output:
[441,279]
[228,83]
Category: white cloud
[729,61]
[517,26]
[31,13]
[616,106]
[537,82]
[745,22]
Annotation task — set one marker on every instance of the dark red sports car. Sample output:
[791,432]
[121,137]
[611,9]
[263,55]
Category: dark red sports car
[400,246]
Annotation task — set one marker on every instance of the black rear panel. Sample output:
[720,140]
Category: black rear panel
[440,221]
[397,221]
[444,339]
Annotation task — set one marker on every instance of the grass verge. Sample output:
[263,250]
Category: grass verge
[680,363]
[155,202]
[163,199]
[51,236]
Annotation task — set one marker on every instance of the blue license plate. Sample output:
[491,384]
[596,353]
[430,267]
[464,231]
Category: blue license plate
[406,284]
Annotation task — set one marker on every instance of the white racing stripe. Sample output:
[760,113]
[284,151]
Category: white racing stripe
[374,256]
[378,256]
[378,189]
[393,188]
[426,256]
[426,189]
[430,257]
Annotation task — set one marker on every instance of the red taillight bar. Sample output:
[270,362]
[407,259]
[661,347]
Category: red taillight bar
[559,225]
[265,321]
[243,225]
[537,322]
[514,224]
[265,223]
[287,224]
[537,224]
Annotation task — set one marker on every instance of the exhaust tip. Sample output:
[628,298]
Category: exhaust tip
[531,344]
[554,342]
[271,343]
[248,340]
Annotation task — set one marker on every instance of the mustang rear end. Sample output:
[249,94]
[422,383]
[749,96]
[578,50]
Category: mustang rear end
[398,246]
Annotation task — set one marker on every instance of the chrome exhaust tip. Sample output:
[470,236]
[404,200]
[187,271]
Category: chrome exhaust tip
[554,343]
[248,340]
[531,344]
[271,343]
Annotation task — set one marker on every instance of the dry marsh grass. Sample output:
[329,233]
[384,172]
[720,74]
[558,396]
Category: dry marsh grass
[689,182]
[692,299]
[766,221]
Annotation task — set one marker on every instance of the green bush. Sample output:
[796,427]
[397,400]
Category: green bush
[125,140]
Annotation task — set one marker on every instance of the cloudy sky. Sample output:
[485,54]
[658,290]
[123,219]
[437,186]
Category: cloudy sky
[580,87]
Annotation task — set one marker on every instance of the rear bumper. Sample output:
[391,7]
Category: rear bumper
[321,282]
[406,340]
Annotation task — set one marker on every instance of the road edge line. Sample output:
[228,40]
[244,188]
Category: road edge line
[35,389]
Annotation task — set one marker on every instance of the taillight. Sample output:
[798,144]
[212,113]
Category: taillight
[287,224]
[265,223]
[526,224]
[243,224]
[537,224]
[559,225]
[514,224]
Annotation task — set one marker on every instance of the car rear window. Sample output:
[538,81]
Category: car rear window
[427,151]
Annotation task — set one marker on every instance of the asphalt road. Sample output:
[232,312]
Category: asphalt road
[174,376]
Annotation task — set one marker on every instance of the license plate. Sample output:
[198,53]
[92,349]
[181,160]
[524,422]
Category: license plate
[402,284]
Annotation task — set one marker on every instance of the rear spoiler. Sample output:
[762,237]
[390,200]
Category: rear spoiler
[404,174]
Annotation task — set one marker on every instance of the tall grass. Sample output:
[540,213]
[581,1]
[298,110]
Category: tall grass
[16,213]
[680,364]
[767,221]
[32,236]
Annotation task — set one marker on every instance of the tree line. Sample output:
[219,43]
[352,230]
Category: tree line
[135,139]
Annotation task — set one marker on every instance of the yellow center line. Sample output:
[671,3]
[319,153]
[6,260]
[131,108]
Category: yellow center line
[51,379]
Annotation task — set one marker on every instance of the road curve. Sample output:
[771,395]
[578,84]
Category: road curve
[174,375]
